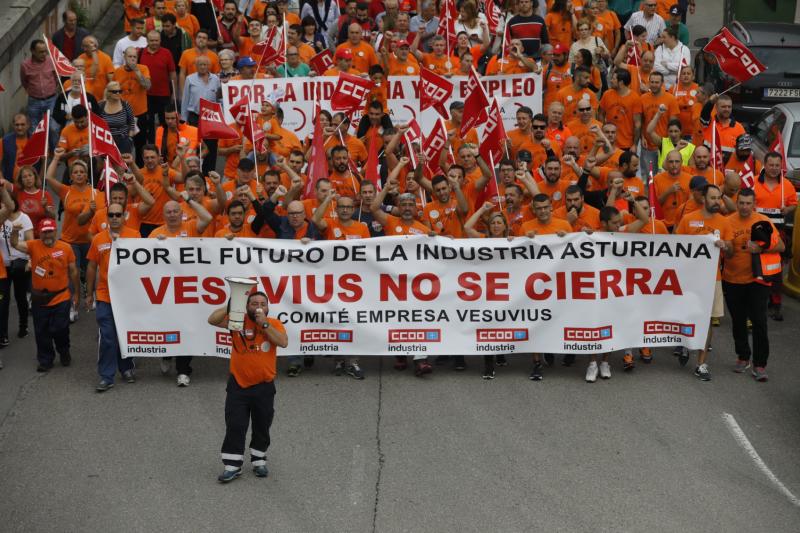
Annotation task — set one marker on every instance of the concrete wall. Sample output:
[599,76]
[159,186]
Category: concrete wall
[21,21]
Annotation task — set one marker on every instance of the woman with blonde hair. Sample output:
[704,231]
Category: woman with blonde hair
[119,116]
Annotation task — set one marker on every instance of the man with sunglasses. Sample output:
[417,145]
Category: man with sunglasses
[109,357]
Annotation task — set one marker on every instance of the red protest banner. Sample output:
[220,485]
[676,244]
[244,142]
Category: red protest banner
[211,124]
[36,147]
[102,140]
[475,104]
[321,62]
[734,58]
[434,91]
[350,92]
[60,62]
[432,147]
[494,135]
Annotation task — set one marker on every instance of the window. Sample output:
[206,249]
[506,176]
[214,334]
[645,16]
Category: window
[767,127]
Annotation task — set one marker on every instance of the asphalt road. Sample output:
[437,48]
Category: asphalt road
[647,451]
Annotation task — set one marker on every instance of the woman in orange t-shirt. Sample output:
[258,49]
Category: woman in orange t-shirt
[80,201]
[560,21]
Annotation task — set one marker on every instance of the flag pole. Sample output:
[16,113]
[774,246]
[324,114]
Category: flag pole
[108,183]
[652,207]
[175,98]
[253,133]
[285,49]
[216,22]
[729,88]
[714,145]
[46,146]
[91,134]
[52,60]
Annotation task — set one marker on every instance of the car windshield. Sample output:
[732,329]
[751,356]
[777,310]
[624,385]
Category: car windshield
[778,59]
[793,149]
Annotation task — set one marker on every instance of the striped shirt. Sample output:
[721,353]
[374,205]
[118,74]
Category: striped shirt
[654,26]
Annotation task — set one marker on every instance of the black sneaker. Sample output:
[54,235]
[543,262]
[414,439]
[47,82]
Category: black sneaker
[44,368]
[3,342]
[568,359]
[23,332]
[293,371]
[354,371]
[229,475]
[338,369]
[501,360]
[683,357]
[488,371]
[536,373]
[103,386]
[459,363]
[260,471]
[549,359]
[129,376]
[702,372]
[308,361]
[66,359]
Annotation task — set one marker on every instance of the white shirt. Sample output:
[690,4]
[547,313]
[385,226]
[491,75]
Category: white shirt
[126,42]
[669,62]
[9,252]
[654,25]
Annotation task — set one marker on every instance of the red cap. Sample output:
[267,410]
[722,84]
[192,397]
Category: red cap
[47,224]
[344,53]
[560,49]
[402,42]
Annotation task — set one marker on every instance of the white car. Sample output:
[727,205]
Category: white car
[786,119]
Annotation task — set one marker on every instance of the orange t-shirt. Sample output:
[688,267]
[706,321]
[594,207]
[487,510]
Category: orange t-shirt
[638,77]
[345,184]
[687,98]
[189,24]
[244,231]
[559,28]
[735,164]
[505,65]
[336,231]
[771,199]
[554,190]
[664,181]
[334,71]
[458,141]
[363,55]
[397,226]
[76,202]
[441,65]
[739,267]
[653,227]
[100,219]
[100,252]
[444,218]
[558,136]
[555,79]
[711,176]
[187,229]
[132,90]
[232,159]
[254,361]
[410,67]
[606,23]
[311,204]
[50,268]
[650,105]
[620,111]
[589,217]
[105,66]
[186,62]
[186,133]
[554,226]
[581,131]
[518,218]
[152,182]
[695,223]
[71,139]
[569,98]
[356,149]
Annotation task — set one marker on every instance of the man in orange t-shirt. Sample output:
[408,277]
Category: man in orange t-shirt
[544,223]
[342,179]
[623,107]
[151,176]
[250,394]
[236,225]
[585,127]
[445,213]
[186,63]
[708,221]
[134,80]
[672,187]
[651,102]
[53,269]
[556,75]
[401,62]
[438,61]
[363,53]
[553,185]
[577,91]
[109,357]
[580,215]
[344,63]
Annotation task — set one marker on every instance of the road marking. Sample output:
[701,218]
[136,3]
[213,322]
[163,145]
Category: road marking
[744,442]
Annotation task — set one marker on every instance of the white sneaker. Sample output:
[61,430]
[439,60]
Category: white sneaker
[605,370]
[183,380]
[166,365]
[73,314]
[591,372]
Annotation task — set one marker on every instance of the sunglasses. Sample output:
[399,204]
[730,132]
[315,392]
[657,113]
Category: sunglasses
[295,213]
[115,91]
[534,127]
[114,215]
[582,109]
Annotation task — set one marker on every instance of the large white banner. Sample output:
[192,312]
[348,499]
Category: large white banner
[412,295]
[299,94]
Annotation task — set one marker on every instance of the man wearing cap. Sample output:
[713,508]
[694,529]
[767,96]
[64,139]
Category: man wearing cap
[109,358]
[53,270]
[400,62]
[344,62]
[437,60]
[676,13]
[557,75]
[695,202]
[363,54]
[247,69]
[743,162]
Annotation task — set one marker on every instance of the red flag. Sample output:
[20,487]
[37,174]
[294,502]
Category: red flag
[493,140]
[655,208]
[318,160]
[748,173]
[734,58]
[717,161]
[373,171]
[447,23]
[778,146]
[60,62]
[475,104]
[109,178]
[435,90]
[490,192]
[412,135]
[36,147]
[211,124]
[103,141]
[244,117]
[432,147]
[321,62]
[350,92]
[493,15]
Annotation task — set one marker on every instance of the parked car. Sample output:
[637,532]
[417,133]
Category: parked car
[784,118]
[776,45]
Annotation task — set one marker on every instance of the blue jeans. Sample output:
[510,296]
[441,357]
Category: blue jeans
[51,326]
[36,109]
[81,250]
[109,358]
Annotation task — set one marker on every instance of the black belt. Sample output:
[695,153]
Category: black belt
[45,98]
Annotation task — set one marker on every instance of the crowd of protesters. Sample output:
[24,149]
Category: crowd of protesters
[620,110]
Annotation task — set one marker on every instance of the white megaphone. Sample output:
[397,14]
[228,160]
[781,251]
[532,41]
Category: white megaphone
[240,289]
